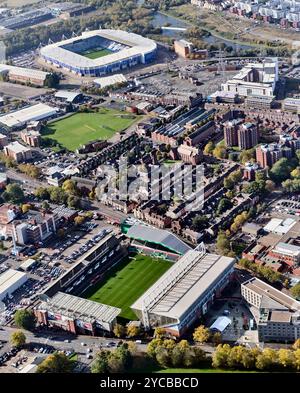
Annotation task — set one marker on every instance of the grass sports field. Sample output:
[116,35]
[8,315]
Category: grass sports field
[96,53]
[125,284]
[80,128]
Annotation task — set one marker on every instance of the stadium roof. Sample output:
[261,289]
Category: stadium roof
[68,95]
[34,112]
[137,45]
[26,72]
[184,283]
[9,278]
[158,236]
[76,307]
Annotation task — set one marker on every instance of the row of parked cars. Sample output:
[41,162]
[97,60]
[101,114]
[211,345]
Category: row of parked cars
[8,355]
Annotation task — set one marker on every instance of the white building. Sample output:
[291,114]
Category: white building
[10,281]
[255,79]
[19,118]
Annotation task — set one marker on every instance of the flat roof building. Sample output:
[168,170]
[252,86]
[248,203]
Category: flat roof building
[10,281]
[277,314]
[18,152]
[255,79]
[185,291]
[19,118]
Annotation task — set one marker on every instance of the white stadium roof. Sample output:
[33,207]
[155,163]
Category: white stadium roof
[185,282]
[137,45]
[34,112]
[80,308]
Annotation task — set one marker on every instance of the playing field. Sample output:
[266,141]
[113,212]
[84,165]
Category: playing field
[80,128]
[124,285]
[96,53]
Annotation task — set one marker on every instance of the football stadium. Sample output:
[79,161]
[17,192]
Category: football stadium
[99,52]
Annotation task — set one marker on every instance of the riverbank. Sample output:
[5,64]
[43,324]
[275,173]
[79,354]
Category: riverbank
[186,14]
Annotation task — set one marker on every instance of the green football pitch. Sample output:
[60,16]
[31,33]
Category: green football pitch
[96,53]
[127,282]
[80,128]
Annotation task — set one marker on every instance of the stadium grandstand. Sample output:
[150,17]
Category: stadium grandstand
[159,241]
[185,292]
[99,52]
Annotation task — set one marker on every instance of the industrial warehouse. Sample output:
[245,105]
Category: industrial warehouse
[19,118]
[185,291]
[10,281]
[99,52]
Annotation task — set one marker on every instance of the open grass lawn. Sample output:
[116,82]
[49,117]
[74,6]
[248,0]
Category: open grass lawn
[80,128]
[127,282]
[96,53]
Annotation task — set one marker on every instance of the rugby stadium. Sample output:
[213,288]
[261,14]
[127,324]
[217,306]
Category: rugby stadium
[99,52]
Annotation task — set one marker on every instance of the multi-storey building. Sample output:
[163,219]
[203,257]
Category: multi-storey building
[277,315]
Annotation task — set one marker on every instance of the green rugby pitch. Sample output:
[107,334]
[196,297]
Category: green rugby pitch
[80,128]
[127,282]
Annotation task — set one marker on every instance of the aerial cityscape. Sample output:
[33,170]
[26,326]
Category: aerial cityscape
[149,186]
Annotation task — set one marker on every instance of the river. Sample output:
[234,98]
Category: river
[161,20]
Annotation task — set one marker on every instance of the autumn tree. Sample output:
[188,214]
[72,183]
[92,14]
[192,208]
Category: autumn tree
[133,330]
[201,334]
[119,330]
[18,338]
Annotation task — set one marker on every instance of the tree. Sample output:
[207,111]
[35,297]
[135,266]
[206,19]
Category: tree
[78,220]
[100,365]
[286,358]
[42,193]
[13,193]
[18,338]
[209,148]
[201,334]
[223,243]
[267,359]
[220,152]
[119,360]
[247,155]
[199,222]
[24,319]
[296,344]
[45,205]
[159,332]
[119,330]
[220,356]
[52,80]
[57,362]
[25,207]
[280,171]
[269,186]
[297,359]
[295,291]
[69,187]
[162,356]
[217,338]
[296,173]
[151,347]
[133,331]
[223,205]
